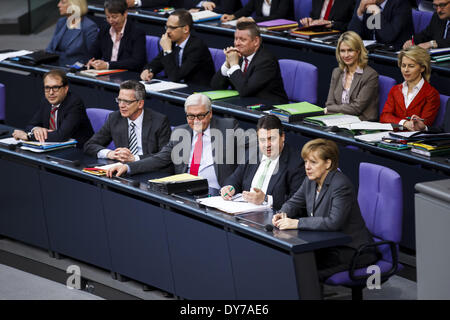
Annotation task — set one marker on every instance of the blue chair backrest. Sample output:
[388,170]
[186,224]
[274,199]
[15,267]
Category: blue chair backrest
[302,8]
[218,57]
[441,113]
[384,86]
[421,19]
[294,73]
[152,46]
[97,117]
[244,2]
[380,198]
[2,102]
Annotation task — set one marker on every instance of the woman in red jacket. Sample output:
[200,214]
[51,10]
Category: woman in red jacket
[415,98]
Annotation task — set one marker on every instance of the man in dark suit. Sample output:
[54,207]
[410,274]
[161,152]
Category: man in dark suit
[61,115]
[184,57]
[249,68]
[219,6]
[137,132]
[275,176]
[437,33]
[263,10]
[336,13]
[205,146]
[395,21]
[120,44]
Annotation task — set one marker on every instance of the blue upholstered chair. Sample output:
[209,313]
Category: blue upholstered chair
[380,198]
[384,86]
[97,117]
[302,8]
[244,2]
[2,102]
[294,73]
[153,49]
[441,113]
[421,19]
[218,57]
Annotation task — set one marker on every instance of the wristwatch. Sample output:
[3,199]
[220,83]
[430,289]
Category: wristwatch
[30,135]
[433,44]
[136,3]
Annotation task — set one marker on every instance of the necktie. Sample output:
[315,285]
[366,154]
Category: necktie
[447,30]
[262,177]
[176,52]
[197,155]
[132,141]
[327,12]
[52,125]
[245,65]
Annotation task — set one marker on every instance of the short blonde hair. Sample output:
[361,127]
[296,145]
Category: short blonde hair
[82,4]
[354,41]
[326,149]
[420,56]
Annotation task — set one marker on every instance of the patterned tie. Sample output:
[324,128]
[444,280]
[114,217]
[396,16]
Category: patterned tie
[52,125]
[327,12]
[245,65]
[197,155]
[132,141]
[262,177]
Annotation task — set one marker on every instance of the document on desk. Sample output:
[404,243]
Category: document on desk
[230,23]
[39,147]
[161,85]
[13,54]
[367,125]
[373,137]
[177,178]
[9,141]
[233,207]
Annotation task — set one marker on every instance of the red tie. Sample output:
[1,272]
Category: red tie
[197,155]
[52,125]
[245,65]
[327,13]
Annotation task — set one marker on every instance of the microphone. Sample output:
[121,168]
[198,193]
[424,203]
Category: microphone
[267,227]
[133,183]
[75,163]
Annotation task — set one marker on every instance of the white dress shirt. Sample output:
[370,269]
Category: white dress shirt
[409,97]
[273,165]
[266,8]
[227,72]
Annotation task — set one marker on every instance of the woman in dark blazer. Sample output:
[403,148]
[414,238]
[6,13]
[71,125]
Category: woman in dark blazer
[326,201]
[264,10]
[415,98]
[73,38]
[354,85]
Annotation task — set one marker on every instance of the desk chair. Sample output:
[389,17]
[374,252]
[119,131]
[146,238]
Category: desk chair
[294,74]
[384,86]
[153,48]
[442,111]
[244,2]
[421,19]
[218,57]
[97,117]
[2,103]
[302,8]
[380,198]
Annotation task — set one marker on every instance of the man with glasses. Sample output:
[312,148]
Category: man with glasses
[185,58]
[120,44]
[61,115]
[205,146]
[137,132]
[437,33]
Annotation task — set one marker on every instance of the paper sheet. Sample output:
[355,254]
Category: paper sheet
[231,207]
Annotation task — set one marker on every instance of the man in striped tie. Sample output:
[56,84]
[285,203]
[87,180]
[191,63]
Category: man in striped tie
[137,132]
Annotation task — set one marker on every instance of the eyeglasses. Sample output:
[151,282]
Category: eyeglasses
[54,88]
[173,27]
[198,116]
[125,102]
[440,5]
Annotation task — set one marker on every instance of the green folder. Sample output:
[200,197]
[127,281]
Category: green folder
[220,94]
[293,112]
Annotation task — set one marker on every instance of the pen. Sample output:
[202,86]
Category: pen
[409,118]
[231,189]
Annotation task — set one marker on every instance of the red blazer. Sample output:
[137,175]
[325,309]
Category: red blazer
[425,105]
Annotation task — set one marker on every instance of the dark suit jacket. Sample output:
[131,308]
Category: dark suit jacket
[80,42]
[341,12]
[155,133]
[71,122]
[434,31]
[280,9]
[132,52]
[197,66]
[154,3]
[180,144]
[262,79]
[425,105]
[364,99]
[336,208]
[222,6]
[283,184]
[396,24]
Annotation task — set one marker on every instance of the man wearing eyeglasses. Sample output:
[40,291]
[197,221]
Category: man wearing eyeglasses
[137,132]
[437,33]
[185,58]
[201,147]
[120,44]
[61,115]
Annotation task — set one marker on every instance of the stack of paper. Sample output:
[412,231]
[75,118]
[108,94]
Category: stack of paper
[231,207]
[99,170]
[160,85]
[330,120]
[13,54]
[205,15]
[97,73]
[39,147]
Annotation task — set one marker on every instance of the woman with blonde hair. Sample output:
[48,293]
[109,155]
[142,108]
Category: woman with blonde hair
[415,100]
[74,34]
[326,201]
[354,85]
